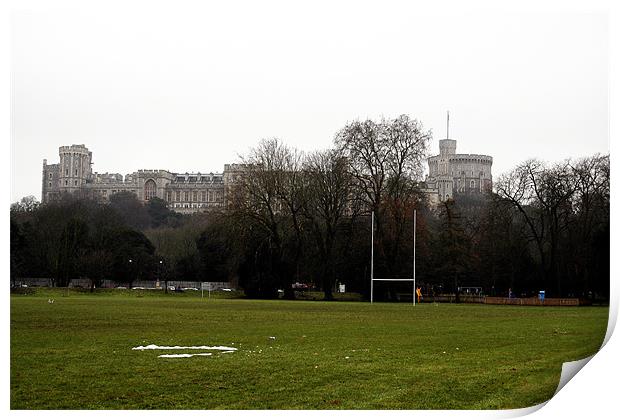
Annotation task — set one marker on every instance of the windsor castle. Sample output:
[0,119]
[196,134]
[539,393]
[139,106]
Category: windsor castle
[449,174]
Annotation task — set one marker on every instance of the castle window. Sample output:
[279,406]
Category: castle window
[75,182]
[66,183]
[186,196]
[150,189]
[50,184]
[168,196]
[203,196]
[178,196]
[50,175]
[195,196]
[76,172]
[66,172]
[472,184]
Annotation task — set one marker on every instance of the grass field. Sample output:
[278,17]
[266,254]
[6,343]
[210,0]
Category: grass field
[77,353]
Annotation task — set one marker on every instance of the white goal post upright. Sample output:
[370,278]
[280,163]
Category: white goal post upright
[372,258]
[372,253]
[202,289]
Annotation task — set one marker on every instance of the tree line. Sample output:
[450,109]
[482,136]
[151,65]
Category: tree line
[295,217]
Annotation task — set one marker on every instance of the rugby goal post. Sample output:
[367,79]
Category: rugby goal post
[372,258]
[205,285]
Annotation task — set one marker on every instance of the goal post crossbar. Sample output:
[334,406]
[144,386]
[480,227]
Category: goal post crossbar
[393,279]
[372,258]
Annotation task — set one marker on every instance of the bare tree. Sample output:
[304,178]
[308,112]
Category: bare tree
[368,152]
[291,194]
[329,199]
[383,155]
[543,197]
[590,204]
[386,159]
[266,192]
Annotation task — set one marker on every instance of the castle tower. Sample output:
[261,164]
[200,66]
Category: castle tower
[451,173]
[447,150]
[74,168]
[447,146]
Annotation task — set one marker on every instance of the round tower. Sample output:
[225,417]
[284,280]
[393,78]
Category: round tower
[74,168]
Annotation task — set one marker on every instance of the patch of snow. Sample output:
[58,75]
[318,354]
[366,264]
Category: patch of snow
[180,355]
[156,347]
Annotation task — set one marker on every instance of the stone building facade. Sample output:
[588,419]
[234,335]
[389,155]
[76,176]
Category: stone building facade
[451,173]
[184,192]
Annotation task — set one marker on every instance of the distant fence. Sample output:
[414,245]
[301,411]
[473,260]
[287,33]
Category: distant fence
[534,301]
[452,299]
[490,300]
[147,284]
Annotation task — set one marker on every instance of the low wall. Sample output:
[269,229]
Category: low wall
[452,299]
[531,301]
[534,301]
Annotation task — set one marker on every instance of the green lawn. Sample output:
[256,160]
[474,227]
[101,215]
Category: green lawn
[77,353]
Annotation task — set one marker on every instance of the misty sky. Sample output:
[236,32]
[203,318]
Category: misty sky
[188,89]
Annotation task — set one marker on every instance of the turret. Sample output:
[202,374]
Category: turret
[74,168]
[447,147]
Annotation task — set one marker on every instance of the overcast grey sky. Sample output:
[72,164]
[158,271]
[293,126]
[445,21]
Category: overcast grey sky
[183,88]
